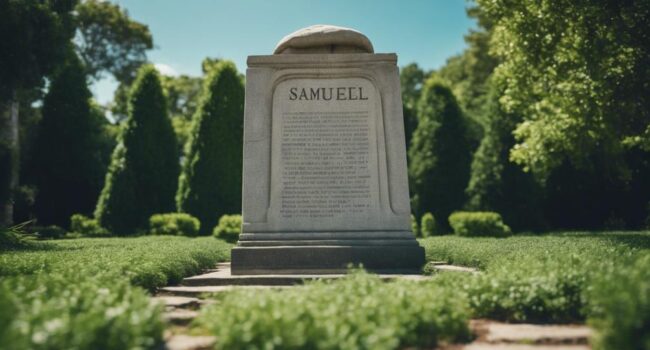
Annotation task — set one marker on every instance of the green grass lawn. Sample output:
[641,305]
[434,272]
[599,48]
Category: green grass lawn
[91,293]
[599,278]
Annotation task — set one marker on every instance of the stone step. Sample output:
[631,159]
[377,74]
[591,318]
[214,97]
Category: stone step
[177,302]
[496,332]
[488,346]
[189,342]
[180,317]
[196,291]
[223,277]
[454,268]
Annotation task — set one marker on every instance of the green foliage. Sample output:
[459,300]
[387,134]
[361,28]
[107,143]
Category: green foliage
[75,294]
[35,40]
[357,312]
[411,79]
[210,183]
[577,72]
[179,224]
[496,184]
[414,226]
[14,237]
[86,226]
[142,178]
[440,153]
[621,310]
[478,224]
[148,261]
[39,41]
[50,232]
[75,310]
[67,153]
[228,228]
[566,277]
[428,225]
[110,41]
[469,72]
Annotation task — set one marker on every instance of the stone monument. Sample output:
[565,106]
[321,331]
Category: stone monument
[324,178]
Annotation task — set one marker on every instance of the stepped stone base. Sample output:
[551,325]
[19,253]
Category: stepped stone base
[399,259]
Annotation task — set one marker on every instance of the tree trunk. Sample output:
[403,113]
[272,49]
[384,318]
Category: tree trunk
[9,158]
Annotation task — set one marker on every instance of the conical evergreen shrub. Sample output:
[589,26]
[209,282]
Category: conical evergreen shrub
[67,165]
[496,183]
[143,174]
[440,153]
[210,183]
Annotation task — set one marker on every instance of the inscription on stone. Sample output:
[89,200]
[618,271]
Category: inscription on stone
[324,158]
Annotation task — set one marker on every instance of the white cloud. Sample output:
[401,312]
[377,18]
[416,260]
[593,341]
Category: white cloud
[166,69]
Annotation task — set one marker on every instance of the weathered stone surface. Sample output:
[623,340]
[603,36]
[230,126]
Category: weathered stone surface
[492,335]
[177,302]
[188,342]
[324,39]
[223,277]
[454,268]
[196,291]
[538,334]
[325,181]
[180,316]
[487,346]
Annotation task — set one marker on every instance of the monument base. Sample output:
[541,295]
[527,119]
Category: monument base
[263,260]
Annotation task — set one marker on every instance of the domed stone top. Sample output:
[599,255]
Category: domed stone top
[324,39]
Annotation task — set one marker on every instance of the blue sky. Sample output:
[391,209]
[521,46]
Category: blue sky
[186,31]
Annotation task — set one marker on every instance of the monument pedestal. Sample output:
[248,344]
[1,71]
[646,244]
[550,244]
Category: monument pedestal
[327,256]
[324,180]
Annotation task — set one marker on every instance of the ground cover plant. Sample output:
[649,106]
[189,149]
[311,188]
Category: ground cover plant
[358,312]
[555,278]
[91,293]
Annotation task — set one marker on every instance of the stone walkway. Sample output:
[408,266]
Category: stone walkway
[182,304]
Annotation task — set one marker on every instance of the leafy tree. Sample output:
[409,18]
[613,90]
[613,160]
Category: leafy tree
[108,40]
[440,153]
[496,184]
[34,36]
[210,183]
[578,73]
[411,80]
[67,153]
[469,72]
[142,177]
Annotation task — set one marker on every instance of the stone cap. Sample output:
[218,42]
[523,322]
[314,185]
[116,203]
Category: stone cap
[322,38]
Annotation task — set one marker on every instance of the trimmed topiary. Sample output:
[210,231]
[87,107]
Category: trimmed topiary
[229,228]
[210,183]
[428,225]
[142,178]
[478,223]
[86,226]
[440,153]
[179,224]
[414,226]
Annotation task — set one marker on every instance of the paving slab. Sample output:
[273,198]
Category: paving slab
[195,291]
[497,332]
[180,316]
[188,342]
[177,302]
[454,268]
[488,346]
[222,276]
